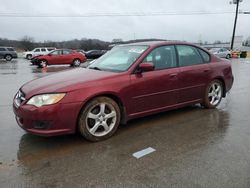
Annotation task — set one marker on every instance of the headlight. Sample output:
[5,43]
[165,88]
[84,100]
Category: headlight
[45,99]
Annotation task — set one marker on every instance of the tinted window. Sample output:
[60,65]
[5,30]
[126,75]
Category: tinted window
[162,57]
[205,56]
[50,49]
[43,50]
[188,55]
[11,49]
[2,49]
[56,52]
[37,50]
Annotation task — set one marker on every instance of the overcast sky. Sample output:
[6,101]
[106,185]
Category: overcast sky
[174,27]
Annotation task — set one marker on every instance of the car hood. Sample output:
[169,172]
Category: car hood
[64,81]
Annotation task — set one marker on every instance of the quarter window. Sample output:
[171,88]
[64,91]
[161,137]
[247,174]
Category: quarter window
[163,57]
[204,55]
[188,55]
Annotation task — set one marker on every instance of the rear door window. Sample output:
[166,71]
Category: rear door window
[66,52]
[188,55]
[11,49]
[43,50]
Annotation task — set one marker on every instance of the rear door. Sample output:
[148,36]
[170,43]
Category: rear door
[55,57]
[159,88]
[67,56]
[194,74]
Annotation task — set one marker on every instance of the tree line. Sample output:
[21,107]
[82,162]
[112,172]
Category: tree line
[28,43]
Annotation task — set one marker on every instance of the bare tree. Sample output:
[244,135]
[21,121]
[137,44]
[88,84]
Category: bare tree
[27,42]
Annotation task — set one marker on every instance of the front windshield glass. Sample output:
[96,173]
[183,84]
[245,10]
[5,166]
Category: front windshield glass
[119,59]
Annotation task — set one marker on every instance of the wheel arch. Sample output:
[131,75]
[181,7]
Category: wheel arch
[114,97]
[223,84]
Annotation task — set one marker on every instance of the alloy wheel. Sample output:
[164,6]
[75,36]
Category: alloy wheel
[215,93]
[101,119]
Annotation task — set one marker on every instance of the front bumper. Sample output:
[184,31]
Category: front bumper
[35,61]
[50,120]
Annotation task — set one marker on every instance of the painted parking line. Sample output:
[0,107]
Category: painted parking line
[143,152]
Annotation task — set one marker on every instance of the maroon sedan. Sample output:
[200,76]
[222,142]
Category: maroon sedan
[130,81]
[59,57]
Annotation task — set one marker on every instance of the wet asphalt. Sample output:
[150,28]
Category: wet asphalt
[195,147]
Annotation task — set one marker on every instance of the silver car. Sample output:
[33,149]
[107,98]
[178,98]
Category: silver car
[221,52]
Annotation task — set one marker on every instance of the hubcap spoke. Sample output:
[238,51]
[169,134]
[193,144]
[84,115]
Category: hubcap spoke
[102,108]
[105,126]
[92,116]
[110,115]
[95,127]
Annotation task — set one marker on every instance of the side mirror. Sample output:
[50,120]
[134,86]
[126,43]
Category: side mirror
[145,67]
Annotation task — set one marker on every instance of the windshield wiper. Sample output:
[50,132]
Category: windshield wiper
[95,68]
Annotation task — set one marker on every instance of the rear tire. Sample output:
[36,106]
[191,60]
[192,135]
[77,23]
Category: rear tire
[213,94]
[99,119]
[8,57]
[76,63]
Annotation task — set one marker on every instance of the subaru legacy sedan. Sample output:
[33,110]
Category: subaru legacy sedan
[128,82]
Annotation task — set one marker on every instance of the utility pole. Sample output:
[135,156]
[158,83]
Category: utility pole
[237,2]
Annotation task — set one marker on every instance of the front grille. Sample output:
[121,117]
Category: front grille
[19,98]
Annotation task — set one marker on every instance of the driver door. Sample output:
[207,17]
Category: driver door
[156,89]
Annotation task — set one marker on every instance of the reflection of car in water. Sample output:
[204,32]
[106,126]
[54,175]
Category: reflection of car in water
[60,57]
[221,52]
[130,81]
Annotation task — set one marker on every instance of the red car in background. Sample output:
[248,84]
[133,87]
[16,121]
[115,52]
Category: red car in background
[128,82]
[59,57]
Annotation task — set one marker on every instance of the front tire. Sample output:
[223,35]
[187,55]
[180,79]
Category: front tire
[29,56]
[43,63]
[213,94]
[8,57]
[99,119]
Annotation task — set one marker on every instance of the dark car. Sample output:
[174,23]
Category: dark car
[94,54]
[7,53]
[130,81]
[59,57]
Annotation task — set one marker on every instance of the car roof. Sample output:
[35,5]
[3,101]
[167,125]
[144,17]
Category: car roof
[159,43]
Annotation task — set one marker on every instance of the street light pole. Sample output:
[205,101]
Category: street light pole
[235,21]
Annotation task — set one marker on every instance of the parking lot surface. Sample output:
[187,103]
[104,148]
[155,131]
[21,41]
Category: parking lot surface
[190,147]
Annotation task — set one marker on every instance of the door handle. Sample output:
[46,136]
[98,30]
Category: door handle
[206,70]
[173,75]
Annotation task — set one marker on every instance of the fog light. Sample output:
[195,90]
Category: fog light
[41,124]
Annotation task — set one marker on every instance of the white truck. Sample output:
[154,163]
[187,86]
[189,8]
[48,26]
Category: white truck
[37,51]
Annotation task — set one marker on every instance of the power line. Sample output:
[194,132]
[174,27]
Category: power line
[114,14]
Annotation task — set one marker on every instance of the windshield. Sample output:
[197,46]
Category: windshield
[119,59]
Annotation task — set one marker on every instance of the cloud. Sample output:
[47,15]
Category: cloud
[178,27]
